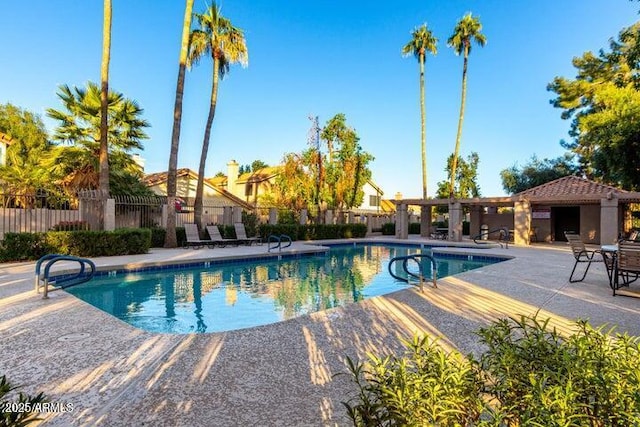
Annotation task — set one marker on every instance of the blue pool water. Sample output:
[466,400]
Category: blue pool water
[233,295]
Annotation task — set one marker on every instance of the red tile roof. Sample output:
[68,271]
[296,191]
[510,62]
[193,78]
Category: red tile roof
[570,186]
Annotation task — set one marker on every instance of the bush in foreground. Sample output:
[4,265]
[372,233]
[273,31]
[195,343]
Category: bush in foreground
[529,375]
[17,412]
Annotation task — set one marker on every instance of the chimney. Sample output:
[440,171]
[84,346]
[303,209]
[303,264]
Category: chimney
[398,196]
[232,176]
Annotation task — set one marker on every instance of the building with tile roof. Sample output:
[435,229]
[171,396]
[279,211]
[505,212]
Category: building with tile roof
[598,212]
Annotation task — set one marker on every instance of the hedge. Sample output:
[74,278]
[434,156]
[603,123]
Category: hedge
[31,246]
[314,231]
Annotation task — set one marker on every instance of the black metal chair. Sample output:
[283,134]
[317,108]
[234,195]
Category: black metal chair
[582,255]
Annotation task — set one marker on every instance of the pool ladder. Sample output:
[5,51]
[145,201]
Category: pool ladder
[277,240]
[43,277]
[419,260]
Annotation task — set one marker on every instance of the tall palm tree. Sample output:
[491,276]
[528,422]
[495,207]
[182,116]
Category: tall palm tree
[104,99]
[422,41]
[171,240]
[226,45]
[466,30]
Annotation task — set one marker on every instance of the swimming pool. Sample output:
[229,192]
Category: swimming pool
[228,295]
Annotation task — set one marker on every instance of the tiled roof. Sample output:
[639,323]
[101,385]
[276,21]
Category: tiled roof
[160,177]
[570,186]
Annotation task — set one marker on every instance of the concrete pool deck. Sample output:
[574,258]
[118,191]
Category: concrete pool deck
[281,374]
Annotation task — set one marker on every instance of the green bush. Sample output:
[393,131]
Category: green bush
[414,228]
[19,417]
[31,246]
[24,246]
[389,229]
[314,231]
[530,376]
[250,221]
[158,236]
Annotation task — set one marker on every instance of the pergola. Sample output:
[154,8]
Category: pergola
[601,225]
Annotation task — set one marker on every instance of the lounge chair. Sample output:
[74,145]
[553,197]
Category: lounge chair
[193,238]
[628,264]
[241,235]
[217,239]
[581,254]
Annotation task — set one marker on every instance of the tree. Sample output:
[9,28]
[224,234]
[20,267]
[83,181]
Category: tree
[226,45]
[77,166]
[537,172]
[171,240]
[422,41]
[313,176]
[104,99]
[466,31]
[467,178]
[23,172]
[603,102]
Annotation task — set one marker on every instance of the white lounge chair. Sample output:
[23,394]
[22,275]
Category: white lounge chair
[217,239]
[241,235]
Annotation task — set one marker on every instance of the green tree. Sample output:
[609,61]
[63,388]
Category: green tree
[603,103]
[104,99]
[23,172]
[537,172]
[336,181]
[79,124]
[171,240]
[467,178]
[467,30]
[225,44]
[422,41]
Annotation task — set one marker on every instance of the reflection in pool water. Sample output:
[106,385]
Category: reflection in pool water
[231,296]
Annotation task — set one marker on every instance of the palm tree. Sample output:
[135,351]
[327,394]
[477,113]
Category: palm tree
[171,240]
[104,101]
[226,45]
[422,41]
[466,30]
[79,124]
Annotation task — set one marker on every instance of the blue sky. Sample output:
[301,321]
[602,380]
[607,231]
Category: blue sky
[322,58]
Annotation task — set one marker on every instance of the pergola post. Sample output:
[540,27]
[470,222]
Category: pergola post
[455,221]
[476,220]
[521,222]
[608,220]
[402,221]
[425,221]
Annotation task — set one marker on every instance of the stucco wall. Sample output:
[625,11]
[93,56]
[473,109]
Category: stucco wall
[590,223]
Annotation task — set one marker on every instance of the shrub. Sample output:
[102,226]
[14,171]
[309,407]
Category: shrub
[314,231]
[414,228]
[24,246]
[389,229]
[19,417]
[530,375]
[31,246]
[158,236]
[250,221]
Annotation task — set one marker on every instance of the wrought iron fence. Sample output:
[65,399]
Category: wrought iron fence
[139,211]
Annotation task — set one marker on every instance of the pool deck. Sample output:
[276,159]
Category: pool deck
[280,374]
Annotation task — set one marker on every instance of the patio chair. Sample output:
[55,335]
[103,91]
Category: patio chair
[628,264]
[193,238]
[582,255]
[217,239]
[241,235]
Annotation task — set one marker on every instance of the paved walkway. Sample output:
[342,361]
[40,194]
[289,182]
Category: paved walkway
[277,375]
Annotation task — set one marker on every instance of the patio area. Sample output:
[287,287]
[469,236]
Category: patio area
[279,374]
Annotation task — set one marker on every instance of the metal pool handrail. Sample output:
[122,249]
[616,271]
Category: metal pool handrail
[417,258]
[44,279]
[278,242]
